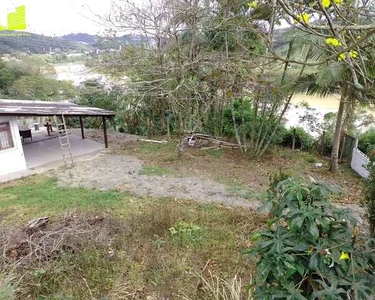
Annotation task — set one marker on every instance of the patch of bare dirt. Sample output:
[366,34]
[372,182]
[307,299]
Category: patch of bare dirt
[122,172]
[200,175]
[229,166]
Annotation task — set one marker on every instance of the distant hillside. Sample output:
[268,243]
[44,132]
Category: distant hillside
[104,43]
[81,37]
[35,44]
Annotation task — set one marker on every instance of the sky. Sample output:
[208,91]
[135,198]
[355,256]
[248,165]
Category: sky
[59,17]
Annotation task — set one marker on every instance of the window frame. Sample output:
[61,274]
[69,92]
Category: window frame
[8,129]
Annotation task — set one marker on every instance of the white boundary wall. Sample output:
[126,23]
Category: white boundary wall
[12,160]
[359,163]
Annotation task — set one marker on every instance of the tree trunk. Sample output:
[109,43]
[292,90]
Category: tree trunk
[334,165]
[235,128]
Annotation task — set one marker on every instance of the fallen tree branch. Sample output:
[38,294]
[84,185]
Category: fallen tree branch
[154,141]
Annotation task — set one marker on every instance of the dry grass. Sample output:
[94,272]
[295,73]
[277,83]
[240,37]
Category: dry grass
[122,251]
[213,287]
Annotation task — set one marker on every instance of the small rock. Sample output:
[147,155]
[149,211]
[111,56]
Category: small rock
[318,165]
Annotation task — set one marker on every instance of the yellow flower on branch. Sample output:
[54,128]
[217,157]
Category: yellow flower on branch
[253,4]
[326,3]
[353,54]
[337,2]
[344,256]
[341,57]
[333,42]
[303,18]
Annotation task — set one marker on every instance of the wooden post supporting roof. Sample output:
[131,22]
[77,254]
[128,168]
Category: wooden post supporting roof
[82,129]
[105,132]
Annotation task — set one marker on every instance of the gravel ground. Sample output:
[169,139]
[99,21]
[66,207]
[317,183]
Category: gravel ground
[121,172]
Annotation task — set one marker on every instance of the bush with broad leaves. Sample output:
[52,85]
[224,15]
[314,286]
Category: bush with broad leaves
[311,249]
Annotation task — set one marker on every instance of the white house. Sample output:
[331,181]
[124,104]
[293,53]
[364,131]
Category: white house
[12,158]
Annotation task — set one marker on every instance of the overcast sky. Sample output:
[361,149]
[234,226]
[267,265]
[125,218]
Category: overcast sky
[58,17]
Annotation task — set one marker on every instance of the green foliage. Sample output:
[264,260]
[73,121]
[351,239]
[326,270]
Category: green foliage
[311,249]
[96,94]
[310,158]
[29,78]
[367,141]
[243,111]
[369,196]
[93,93]
[186,233]
[303,140]
[7,77]
[41,88]
[328,126]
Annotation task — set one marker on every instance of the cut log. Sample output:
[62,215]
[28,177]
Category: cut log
[153,141]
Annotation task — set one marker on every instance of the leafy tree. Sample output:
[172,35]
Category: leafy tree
[41,88]
[31,78]
[340,34]
[367,141]
[96,94]
[7,77]
[303,139]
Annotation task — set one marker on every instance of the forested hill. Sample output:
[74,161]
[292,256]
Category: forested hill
[103,43]
[35,43]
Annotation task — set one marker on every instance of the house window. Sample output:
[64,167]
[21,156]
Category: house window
[6,140]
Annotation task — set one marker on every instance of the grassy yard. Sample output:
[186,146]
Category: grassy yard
[113,245]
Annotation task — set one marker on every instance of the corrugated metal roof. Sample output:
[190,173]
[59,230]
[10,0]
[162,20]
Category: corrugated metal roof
[44,108]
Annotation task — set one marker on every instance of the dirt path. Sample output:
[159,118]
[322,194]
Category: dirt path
[121,172]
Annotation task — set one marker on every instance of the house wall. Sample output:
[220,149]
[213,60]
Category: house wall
[12,160]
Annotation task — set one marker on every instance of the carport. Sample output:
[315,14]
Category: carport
[13,151]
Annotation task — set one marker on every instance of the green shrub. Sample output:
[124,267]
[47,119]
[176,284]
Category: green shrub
[367,141]
[369,197]
[228,129]
[311,249]
[310,158]
[186,233]
[303,139]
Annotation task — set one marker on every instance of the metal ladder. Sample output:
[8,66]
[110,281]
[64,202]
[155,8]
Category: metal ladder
[64,141]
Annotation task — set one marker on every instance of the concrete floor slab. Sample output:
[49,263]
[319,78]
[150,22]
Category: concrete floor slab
[48,151]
